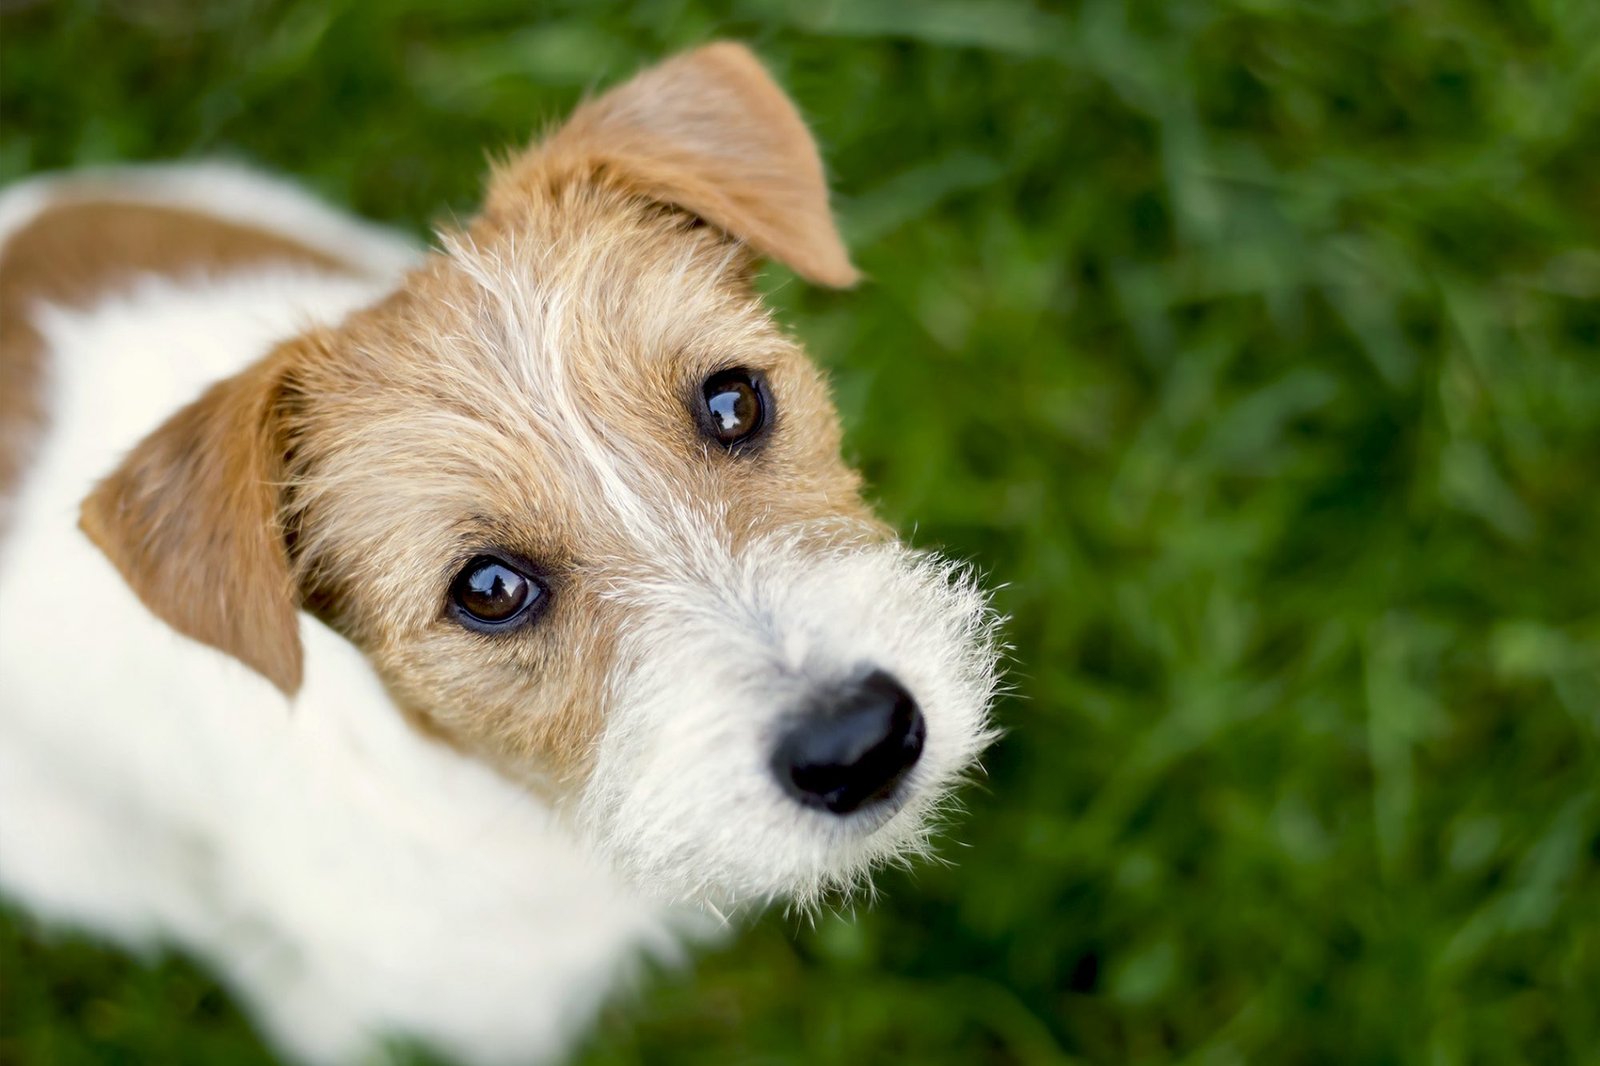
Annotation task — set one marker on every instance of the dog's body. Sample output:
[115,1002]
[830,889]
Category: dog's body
[455,833]
[350,875]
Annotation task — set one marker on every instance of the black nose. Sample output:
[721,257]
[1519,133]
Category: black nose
[854,748]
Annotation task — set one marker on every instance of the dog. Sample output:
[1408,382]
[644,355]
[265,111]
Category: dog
[425,638]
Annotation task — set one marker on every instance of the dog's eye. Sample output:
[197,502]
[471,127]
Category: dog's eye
[735,406]
[492,594]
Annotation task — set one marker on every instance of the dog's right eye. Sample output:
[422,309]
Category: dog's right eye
[734,407]
[491,594]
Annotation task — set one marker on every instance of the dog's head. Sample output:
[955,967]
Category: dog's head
[581,503]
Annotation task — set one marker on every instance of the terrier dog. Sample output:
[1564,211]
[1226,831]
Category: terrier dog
[545,533]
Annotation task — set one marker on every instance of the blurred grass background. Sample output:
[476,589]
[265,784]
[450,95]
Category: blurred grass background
[1251,344]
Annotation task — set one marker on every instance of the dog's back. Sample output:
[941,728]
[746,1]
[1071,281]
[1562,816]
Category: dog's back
[371,872]
[77,241]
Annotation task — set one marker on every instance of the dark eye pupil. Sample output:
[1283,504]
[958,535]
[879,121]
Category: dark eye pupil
[734,405]
[491,591]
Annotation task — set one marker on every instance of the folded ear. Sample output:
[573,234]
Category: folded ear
[710,132]
[190,518]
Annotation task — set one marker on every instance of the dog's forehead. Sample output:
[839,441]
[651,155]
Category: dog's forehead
[601,290]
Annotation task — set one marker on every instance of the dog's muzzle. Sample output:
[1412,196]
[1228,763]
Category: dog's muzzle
[852,748]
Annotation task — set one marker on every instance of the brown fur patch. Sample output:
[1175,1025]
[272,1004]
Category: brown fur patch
[81,247]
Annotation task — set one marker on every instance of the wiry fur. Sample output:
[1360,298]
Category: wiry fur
[527,388]
[764,627]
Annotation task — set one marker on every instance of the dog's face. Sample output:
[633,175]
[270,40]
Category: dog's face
[582,505]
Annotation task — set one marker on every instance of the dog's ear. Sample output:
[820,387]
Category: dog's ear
[710,132]
[190,518]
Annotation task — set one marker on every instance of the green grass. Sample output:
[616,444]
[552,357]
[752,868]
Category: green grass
[1252,346]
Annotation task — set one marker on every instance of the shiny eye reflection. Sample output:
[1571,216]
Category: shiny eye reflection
[734,406]
[492,594]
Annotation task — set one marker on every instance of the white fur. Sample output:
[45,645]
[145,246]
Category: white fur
[720,655]
[348,877]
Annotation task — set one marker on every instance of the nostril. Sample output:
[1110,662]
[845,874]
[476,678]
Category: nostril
[854,748]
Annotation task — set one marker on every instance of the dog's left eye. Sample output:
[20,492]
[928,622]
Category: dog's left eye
[492,594]
[735,407]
